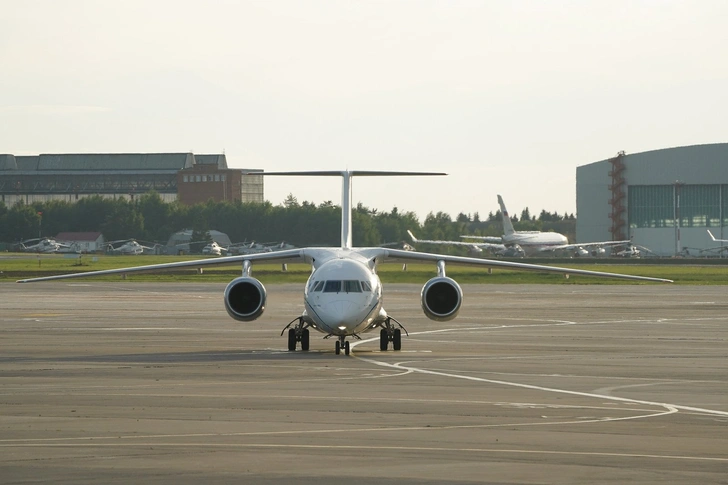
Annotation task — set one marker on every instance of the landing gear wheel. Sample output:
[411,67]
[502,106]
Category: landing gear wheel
[383,339]
[291,339]
[346,347]
[304,339]
[397,340]
[337,347]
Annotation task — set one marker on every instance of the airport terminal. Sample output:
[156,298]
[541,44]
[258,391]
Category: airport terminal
[665,200]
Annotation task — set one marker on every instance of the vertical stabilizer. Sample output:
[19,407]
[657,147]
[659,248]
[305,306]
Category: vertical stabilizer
[346,198]
[507,224]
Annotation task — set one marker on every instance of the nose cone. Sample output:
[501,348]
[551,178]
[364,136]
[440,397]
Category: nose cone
[342,313]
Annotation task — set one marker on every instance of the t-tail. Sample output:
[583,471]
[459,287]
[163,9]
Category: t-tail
[346,197]
[507,224]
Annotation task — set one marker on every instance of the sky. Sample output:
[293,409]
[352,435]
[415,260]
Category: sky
[506,97]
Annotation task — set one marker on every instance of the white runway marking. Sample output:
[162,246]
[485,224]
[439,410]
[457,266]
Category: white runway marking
[375,448]
[671,407]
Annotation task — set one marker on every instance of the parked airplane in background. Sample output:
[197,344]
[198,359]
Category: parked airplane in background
[716,249]
[532,242]
[214,249]
[46,245]
[127,247]
[343,295]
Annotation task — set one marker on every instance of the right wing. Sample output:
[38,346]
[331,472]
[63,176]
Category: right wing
[289,255]
[473,245]
[493,239]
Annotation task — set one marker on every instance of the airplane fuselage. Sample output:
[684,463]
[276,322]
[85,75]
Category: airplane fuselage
[343,295]
[535,241]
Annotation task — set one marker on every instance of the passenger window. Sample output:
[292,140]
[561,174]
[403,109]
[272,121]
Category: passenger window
[366,286]
[352,286]
[332,286]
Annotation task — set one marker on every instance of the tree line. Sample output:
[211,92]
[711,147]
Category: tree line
[149,218]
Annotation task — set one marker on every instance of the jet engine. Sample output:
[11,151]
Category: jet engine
[441,299]
[245,298]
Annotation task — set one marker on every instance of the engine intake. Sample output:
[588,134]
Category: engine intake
[441,299]
[245,298]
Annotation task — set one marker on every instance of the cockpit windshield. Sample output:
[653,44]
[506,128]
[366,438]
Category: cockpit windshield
[346,286]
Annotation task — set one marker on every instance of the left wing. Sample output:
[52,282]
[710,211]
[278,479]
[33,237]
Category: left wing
[492,263]
[289,255]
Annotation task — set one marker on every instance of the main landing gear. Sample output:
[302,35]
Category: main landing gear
[390,334]
[298,333]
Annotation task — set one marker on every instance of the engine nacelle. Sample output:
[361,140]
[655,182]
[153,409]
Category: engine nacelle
[245,298]
[441,299]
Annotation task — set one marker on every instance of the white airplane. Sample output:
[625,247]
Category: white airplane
[129,247]
[214,249]
[343,295]
[531,242]
[46,245]
[714,238]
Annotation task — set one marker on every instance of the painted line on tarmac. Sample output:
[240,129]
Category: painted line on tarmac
[668,406]
[377,448]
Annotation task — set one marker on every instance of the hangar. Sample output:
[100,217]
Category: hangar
[186,177]
[665,200]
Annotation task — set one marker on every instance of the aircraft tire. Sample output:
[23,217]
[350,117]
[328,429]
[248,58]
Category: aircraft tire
[291,339]
[346,348]
[383,339]
[304,339]
[397,340]
[337,347]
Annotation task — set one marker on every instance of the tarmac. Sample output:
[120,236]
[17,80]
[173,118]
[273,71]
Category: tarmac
[130,382]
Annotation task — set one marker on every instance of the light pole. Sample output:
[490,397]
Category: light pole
[40,222]
[677,186]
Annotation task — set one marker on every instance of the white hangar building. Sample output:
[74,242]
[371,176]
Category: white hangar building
[665,200]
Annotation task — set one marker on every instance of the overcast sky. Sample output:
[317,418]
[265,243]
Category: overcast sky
[507,97]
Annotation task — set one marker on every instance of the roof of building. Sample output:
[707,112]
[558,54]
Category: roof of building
[78,236]
[219,160]
[7,162]
[713,152]
[101,161]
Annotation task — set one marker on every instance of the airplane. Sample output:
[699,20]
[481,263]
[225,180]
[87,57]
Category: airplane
[214,249]
[46,245]
[522,243]
[343,295]
[129,247]
[716,249]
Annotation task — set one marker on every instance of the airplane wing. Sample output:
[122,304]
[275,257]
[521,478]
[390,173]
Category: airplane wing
[400,255]
[585,245]
[290,255]
[475,245]
[714,239]
[492,239]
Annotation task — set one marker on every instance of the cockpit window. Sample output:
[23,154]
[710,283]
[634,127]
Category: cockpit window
[352,286]
[365,286]
[332,286]
[319,286]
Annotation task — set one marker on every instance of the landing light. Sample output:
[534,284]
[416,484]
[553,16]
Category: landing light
[342,327]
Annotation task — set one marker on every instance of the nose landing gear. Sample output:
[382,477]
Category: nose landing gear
[342,343]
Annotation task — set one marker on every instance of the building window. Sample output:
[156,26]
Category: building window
[197,178]
[217,177]
[222,177]
[185,179]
